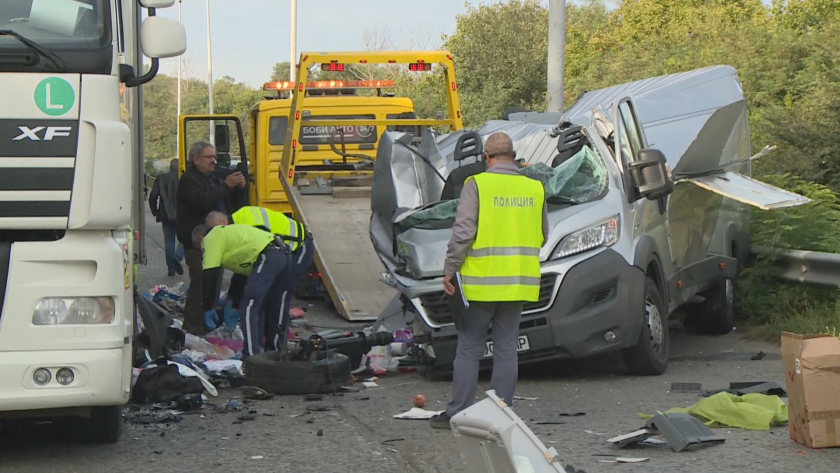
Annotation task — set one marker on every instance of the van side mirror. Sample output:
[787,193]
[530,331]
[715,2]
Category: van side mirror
[222,138]
[651,175]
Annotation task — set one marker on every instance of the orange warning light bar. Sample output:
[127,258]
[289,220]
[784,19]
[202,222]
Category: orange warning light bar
[332,84]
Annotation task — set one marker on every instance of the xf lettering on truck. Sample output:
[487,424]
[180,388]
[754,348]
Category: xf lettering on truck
[51,132]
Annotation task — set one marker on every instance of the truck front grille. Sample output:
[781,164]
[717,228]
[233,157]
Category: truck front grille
[39,168]
[436,304]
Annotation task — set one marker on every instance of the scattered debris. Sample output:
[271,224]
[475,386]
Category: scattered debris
[313,397]
[681,431]
[420,401]
[258,457]
[758,356]
[750,387]
[520,398]
[148,416]
[320,408]
[389,441]
[416,413]
[572,414]
[751,411]
[625,460]
[320,433]
[253,392]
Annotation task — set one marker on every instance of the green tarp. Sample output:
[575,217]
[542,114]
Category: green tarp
[750,411]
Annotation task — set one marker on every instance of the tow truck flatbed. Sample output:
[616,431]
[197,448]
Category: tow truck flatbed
[350,269]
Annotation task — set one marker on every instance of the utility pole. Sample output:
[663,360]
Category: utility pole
[556,54]
[178,93]
[293,59]
[210,72]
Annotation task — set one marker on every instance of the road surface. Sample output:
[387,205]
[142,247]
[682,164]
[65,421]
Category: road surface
[284,438]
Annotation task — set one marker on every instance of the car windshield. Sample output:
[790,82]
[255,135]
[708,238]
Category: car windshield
[55,25]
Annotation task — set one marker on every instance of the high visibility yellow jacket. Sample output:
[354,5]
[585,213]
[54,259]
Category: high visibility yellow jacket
[291,231]
[503,262]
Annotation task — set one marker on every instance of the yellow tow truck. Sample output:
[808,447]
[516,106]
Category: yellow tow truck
[312,156]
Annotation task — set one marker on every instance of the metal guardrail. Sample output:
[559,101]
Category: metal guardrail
[807,267]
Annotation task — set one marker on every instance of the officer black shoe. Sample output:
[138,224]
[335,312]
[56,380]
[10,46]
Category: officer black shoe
[440,421]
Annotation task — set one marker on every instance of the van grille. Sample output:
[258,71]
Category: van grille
[436,304]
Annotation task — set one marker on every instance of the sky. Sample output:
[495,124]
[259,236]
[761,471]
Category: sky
[249,36]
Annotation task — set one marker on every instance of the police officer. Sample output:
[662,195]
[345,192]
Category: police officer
[500,226]
[297,238]
[249,251]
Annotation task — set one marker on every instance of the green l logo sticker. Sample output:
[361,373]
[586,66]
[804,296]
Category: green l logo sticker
[54,96]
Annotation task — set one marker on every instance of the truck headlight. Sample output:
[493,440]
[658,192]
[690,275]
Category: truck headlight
[602,234]
[74,311]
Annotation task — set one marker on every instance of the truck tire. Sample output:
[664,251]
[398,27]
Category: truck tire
[326,375]
[650,355]
[716,314]
[104,425]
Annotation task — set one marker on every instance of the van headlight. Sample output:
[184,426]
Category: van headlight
[74,311]
[600,235]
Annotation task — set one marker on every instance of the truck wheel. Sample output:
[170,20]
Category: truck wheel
[104,425]
[326,375]
[717,311]
[650,355]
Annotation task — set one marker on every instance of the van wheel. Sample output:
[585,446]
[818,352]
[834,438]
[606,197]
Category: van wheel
[717,312]
[650,355]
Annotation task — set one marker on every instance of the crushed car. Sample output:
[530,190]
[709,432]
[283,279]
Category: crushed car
[648,185]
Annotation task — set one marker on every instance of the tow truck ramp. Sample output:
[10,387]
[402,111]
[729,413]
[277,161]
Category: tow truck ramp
[338,218]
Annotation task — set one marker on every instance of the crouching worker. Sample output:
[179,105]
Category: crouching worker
[249,252]
[299,241]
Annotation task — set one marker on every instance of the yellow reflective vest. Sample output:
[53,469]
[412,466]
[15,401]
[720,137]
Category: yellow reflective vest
[503,262]
[275,222]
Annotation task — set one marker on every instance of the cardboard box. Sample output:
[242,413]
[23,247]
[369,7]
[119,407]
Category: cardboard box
[812,379]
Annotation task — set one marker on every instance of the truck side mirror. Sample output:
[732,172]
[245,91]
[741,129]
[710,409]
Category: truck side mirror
[652,176]
[222,138]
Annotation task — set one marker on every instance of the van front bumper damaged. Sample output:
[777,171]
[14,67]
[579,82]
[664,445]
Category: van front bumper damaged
[587,306]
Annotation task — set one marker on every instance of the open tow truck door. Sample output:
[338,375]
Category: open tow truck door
[229,141]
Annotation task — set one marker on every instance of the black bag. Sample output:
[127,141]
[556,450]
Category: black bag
[164,384]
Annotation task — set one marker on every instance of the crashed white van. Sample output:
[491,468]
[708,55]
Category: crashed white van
[647,185]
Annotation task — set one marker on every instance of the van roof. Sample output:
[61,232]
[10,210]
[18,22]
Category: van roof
[337,101]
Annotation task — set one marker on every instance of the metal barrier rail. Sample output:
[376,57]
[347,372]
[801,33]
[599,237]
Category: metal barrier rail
[808,267]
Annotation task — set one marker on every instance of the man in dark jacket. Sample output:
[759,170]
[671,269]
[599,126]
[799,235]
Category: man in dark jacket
[199,193]
[162,201]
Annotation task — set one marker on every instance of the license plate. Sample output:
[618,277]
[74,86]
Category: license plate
[524,345]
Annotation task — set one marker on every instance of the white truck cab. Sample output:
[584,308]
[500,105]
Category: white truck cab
[71,164]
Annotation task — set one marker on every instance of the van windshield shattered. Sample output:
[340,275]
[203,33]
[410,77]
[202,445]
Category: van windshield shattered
[579,179]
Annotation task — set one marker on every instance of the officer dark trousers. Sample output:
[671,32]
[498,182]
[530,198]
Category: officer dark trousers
[269,272]
[301,262]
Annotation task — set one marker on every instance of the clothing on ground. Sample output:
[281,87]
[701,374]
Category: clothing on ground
[472,342]
[750,411]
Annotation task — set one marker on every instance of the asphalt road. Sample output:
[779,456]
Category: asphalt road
[284,438]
